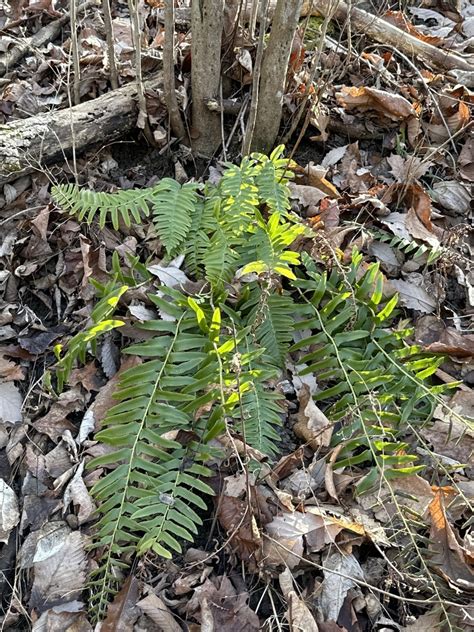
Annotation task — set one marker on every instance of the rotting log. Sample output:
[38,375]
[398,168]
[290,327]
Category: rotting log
[381,31]
[30,144]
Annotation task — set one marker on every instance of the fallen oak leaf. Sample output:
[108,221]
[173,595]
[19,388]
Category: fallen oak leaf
[312,425]
[447,555]
[392,106]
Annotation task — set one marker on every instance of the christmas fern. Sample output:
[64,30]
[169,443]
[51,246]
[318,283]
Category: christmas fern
[209,365]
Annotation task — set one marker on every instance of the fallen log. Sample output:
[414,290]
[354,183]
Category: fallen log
[381,31]
[30,144]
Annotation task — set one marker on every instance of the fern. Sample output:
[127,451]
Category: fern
[101,323]
[210,365]
[85,204]
[371,397]
[260,417]
[271,318]
[173,206]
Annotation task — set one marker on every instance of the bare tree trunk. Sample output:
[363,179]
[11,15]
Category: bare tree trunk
[207,22]
[273,76]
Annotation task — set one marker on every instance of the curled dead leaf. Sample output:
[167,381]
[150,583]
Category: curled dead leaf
[447,555]
[392,106]
[312,425]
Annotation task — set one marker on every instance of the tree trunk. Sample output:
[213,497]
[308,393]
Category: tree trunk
[29,144]
[207,22]
[273,75]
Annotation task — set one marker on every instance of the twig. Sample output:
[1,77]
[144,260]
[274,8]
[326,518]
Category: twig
[256,80]
[109,37]
[75,54]
[312,76]
[174,114]
[142,113]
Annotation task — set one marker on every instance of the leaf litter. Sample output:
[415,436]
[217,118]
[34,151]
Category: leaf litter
[316,555]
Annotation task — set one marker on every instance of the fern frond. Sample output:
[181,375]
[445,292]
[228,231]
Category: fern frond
[101,323]
[173,205]
[272,180]
[269,245]
[271,318]
[203,225]
[221,259]
[85,204]
[151,496]
[262,416]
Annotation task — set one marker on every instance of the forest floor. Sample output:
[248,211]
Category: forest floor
[386,166]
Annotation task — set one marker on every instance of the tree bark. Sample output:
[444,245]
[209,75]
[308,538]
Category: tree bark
[30,144]
[273,75]
[206,25]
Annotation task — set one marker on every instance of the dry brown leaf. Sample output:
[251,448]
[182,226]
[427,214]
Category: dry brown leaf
[452,195]
[448,435]
[76,493]
[312,425]
[298,614]
[239,524]
[122,611]
[156,609]
[9,371]
[453,343]
[414,296]
[306,195]
[409,169]
[10,403]
[393,106]
[447,556]
[69,617]
[456,116]
[398,19]
[59,569]
[55,422]
[336,586]
[227,608]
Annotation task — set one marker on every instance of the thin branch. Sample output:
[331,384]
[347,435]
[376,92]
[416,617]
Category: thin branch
[75,54]
[174,114]
[256,80]
[136,34]
[109,37]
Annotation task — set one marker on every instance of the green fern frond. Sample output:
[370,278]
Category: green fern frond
[203,225]
[373,397]
[271,318]
[173,205]
[272,179]
[269,245]
[262,416]
[220,260]
[101,323]
[86,204]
